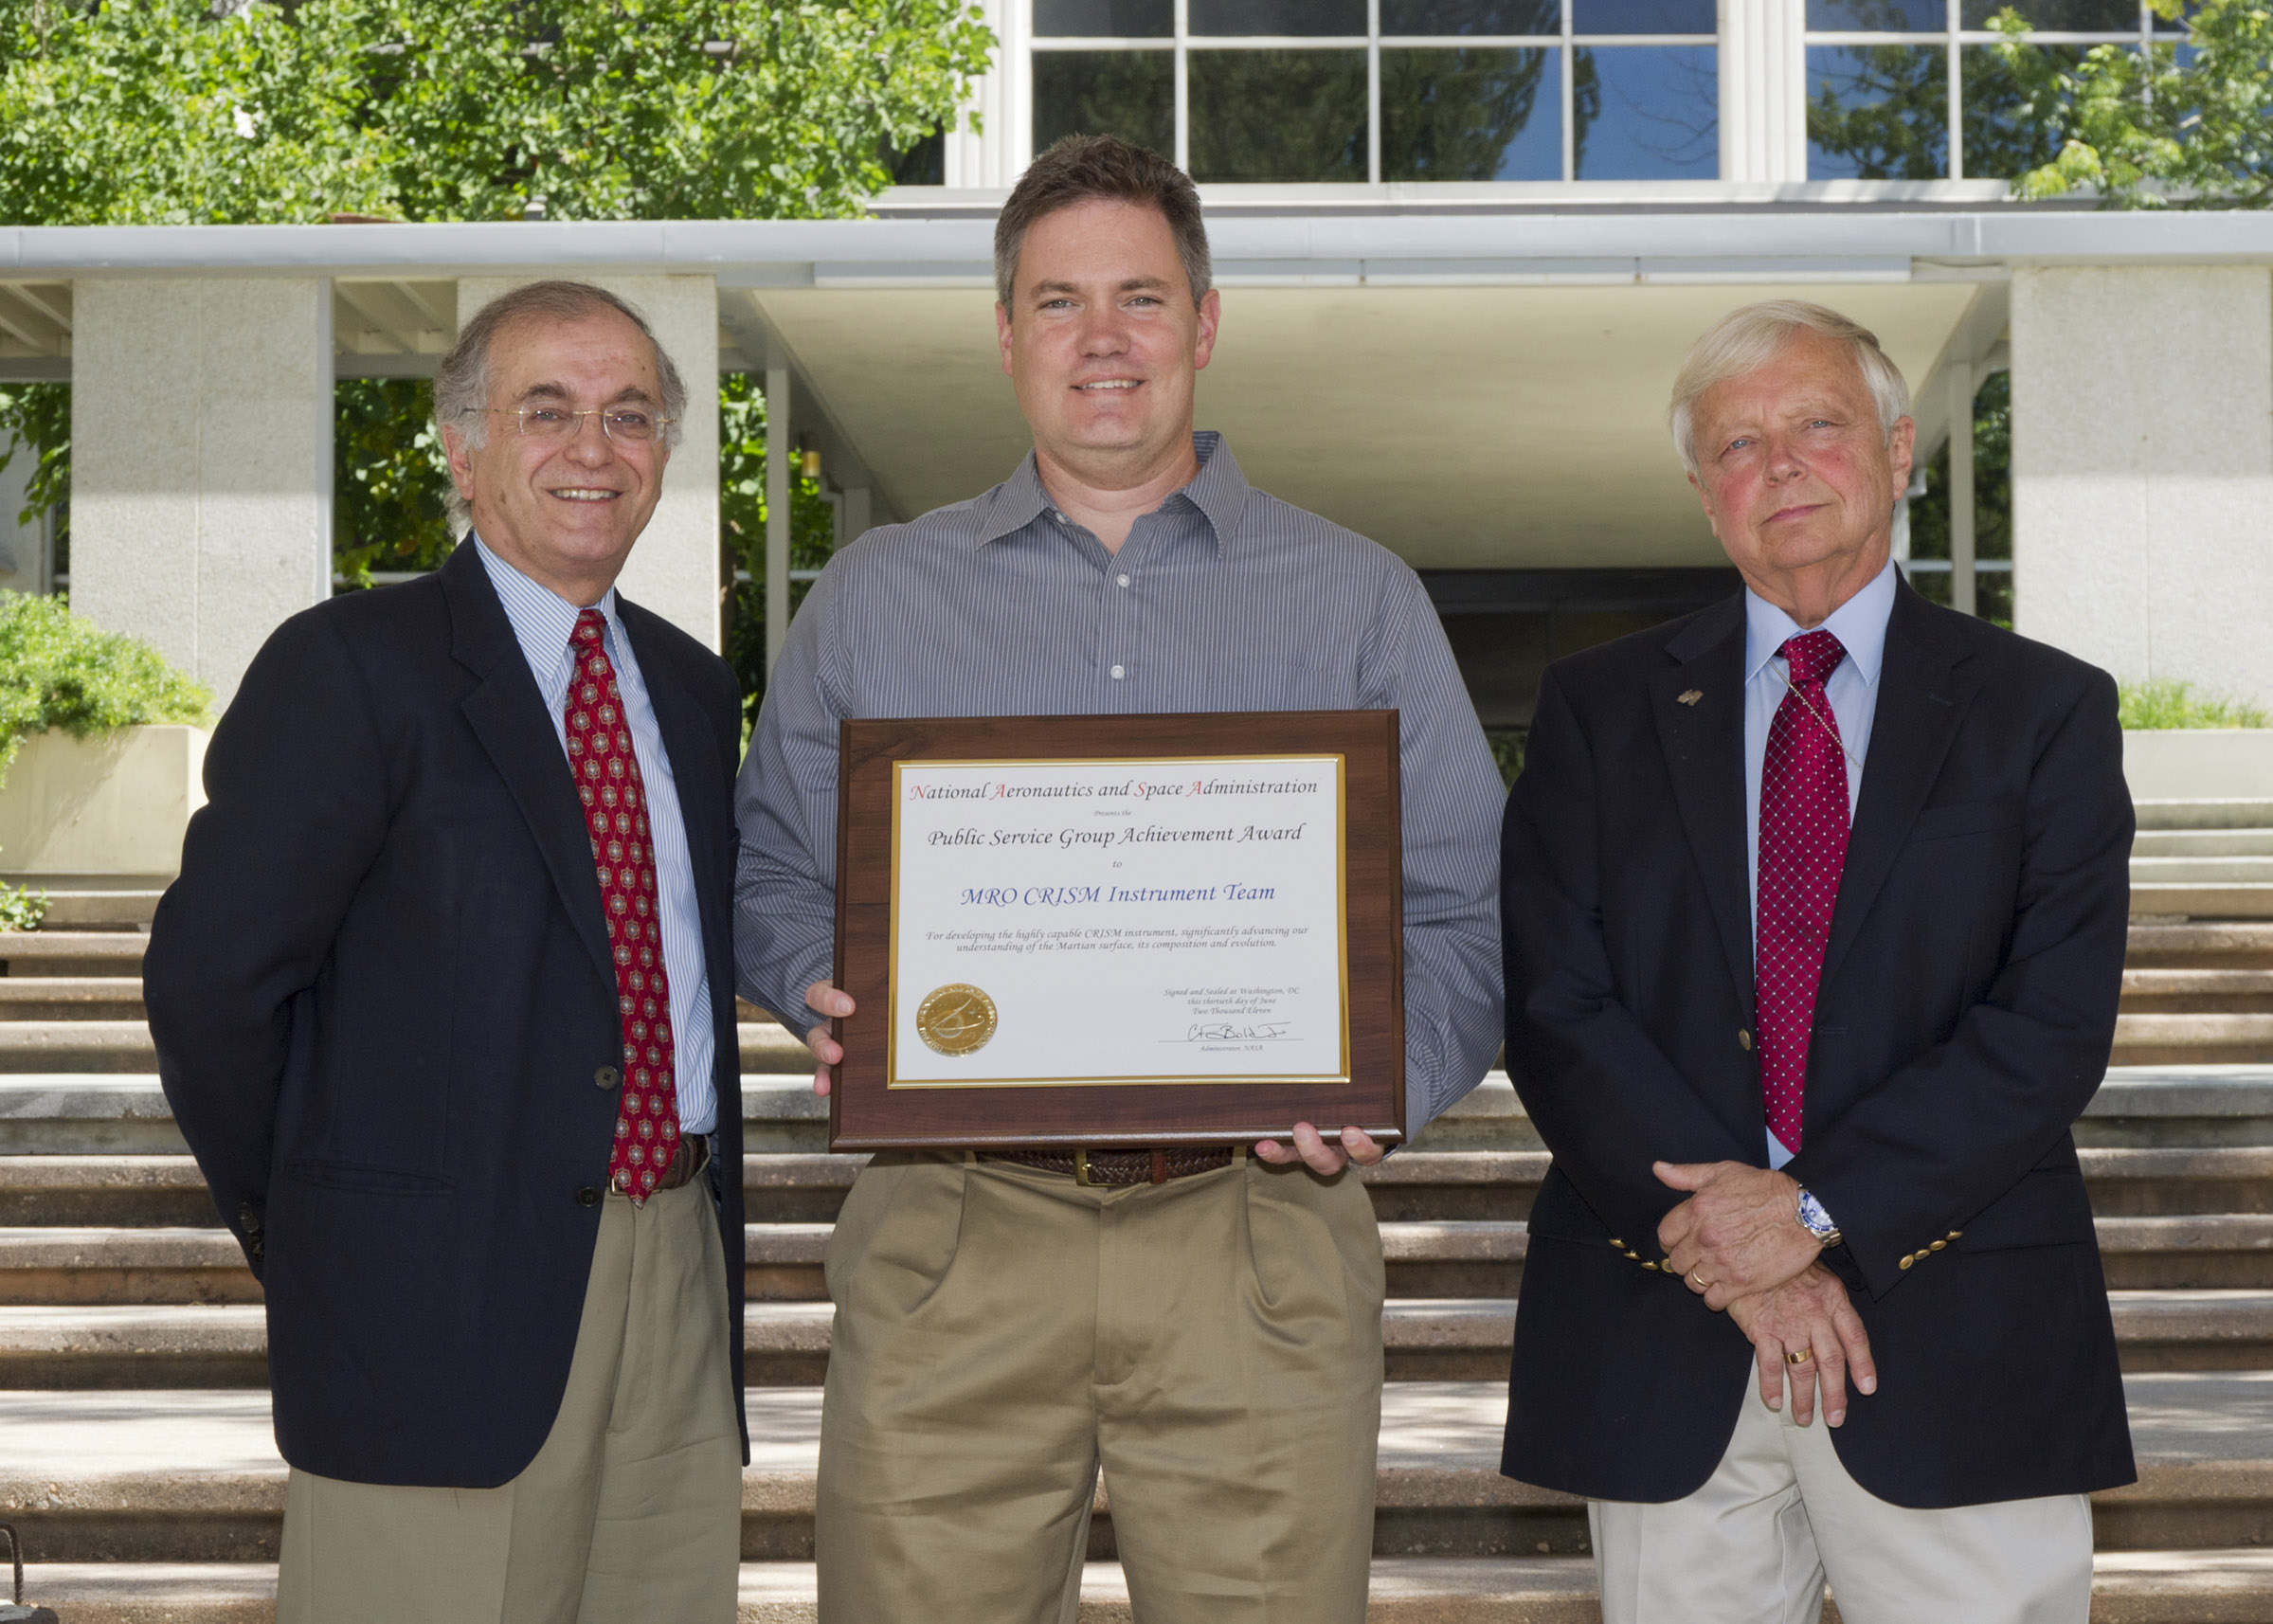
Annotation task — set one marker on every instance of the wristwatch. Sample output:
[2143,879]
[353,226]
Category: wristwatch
[1817,1222]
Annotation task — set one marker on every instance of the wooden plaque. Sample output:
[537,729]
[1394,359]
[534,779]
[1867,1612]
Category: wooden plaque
[1062,1004]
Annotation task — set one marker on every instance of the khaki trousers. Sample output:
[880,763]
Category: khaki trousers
[1213,1344]
[631,1511]
[1753,1546]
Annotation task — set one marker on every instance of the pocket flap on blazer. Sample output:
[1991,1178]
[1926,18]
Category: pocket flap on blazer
[370,1179]
[2047,1207]
[1966,818]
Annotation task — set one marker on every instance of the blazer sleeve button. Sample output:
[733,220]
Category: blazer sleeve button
[606,1078]
[247,1219]
[1936,1246]
[589,1197]
[1907,1261]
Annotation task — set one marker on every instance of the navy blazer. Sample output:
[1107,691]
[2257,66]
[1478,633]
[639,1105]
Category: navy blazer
[381,992]
[1965,1017]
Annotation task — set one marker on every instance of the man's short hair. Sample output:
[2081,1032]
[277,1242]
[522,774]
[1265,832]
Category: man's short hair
[462,382]
[1746,341]
[1080,168]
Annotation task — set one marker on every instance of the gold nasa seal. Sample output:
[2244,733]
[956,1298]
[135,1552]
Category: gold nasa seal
[956,1019]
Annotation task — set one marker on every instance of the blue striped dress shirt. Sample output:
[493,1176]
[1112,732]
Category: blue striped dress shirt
[542,619]
[1221,598]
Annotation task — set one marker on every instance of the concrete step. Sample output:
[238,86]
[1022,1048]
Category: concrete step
[70,998]
[2128,1587]
[72,952]
[2202,869]
[2229,814]
[2186,992]
[782,1262]
[2165,1040]
[104,1346]
[95,907]
[189,1475]
[2230,944]
[2250,842]
[2206,899]
[77,1045]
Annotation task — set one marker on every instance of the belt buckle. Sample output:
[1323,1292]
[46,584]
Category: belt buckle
[1081,1167]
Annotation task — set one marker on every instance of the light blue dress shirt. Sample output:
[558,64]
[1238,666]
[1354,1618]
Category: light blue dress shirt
[542,621]
[1860,624]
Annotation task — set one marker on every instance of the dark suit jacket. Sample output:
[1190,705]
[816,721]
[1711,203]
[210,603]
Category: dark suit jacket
[1967,1008]
[381,990]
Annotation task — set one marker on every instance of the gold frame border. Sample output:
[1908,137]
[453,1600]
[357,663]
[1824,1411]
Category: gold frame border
[892,942]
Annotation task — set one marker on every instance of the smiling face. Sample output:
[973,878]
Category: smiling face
[1798,477]
[1103,341]
[565,512]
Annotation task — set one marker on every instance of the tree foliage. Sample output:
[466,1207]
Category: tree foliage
[2171,126]
[742,513]
[160,111]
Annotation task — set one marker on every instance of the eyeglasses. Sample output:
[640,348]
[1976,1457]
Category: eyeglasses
[626,425]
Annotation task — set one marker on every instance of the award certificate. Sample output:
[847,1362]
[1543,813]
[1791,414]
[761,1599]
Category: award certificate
[1115,932]
[1096,922]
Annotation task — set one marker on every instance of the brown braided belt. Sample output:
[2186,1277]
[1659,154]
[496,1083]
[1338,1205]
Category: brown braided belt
[1116,1166]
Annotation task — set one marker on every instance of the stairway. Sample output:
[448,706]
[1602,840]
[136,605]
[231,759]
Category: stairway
[136,1452]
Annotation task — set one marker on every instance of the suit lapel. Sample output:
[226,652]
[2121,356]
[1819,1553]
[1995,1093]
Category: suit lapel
[695,771]
[508,716]
[1923,697]
[1703,736]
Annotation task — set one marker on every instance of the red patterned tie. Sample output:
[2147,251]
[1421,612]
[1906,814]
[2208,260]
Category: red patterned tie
[615,812]
[1803,846]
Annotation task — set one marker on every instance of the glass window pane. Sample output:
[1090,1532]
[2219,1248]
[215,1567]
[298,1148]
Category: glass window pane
[2072,16]
[1646,112]
[1542,17]
[1278,16]
[1878,113]
[2008,117]
[1643,16]
[1472,115]
[1879,16]
[1278,116]
[1105,19]
[1129,94]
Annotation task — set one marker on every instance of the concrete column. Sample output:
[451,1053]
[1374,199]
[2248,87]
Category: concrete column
[1961,596]
[2142,469]
[1763,90]
[779,449]
[201,462]
[857,507]
[999,150]
[674,569]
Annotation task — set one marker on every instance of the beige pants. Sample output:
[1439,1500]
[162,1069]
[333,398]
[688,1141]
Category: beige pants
[631,1511]
[1213,1344]
[1753,1546]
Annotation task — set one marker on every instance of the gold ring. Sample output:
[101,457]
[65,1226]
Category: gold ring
[1702,1283]
[1800,1357]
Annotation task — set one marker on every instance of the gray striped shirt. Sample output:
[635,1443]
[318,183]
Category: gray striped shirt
[1222,599]
[542,621]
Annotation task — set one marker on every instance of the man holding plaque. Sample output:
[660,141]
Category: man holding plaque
[1201,1324]
[1816,909]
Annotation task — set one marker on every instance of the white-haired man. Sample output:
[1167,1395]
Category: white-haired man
[1814,907]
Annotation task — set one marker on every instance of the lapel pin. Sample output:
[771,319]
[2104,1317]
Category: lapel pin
[1691,697]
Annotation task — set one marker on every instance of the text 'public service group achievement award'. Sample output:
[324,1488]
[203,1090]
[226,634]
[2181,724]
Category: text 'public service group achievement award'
[1118,930]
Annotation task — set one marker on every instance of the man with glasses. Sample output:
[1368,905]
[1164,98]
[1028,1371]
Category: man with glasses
[443,1004]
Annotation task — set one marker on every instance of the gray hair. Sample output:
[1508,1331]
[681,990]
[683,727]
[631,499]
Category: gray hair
[1744,340]
[462,382]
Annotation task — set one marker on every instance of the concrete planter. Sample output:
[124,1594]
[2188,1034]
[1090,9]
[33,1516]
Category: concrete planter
[101,807]
[2200,763]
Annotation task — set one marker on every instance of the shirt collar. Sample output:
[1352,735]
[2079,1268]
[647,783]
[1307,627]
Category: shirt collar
[542,619]
[1218,490]
[1860,624]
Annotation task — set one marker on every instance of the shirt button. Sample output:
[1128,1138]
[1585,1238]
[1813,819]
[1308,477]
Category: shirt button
[1118,672]
[1058,516]
[1122,579]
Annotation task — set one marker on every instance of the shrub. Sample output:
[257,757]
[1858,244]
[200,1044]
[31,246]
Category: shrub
[2165,703]
[58,671]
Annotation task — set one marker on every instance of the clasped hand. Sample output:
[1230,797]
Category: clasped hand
[1738,1243]
[1321,1155]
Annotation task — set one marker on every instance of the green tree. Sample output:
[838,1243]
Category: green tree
[742,524]
[2160,127]
[1991,504]
[390,485]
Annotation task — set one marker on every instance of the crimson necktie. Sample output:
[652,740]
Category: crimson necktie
[614,811]
[1803,847]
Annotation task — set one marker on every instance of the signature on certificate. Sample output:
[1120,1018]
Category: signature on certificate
[1235,1032]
